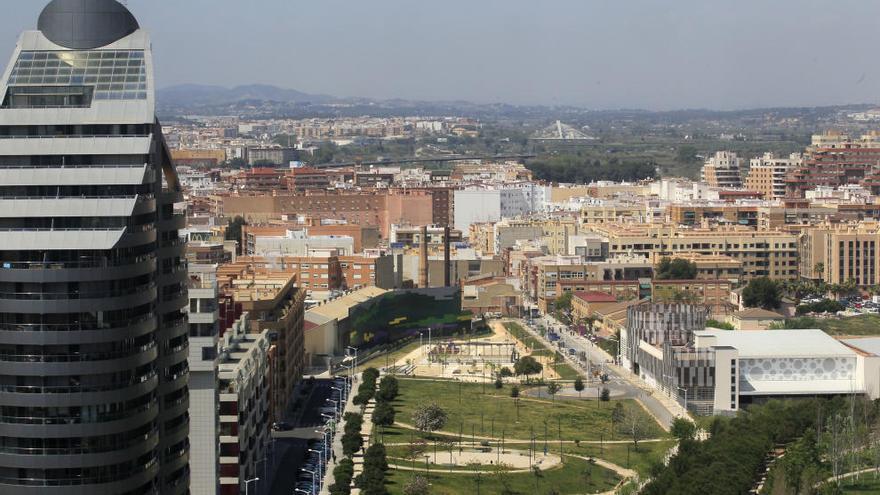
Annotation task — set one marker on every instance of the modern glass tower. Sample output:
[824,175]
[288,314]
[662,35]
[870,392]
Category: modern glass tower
[93,340]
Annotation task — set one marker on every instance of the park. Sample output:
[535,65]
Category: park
[495,425]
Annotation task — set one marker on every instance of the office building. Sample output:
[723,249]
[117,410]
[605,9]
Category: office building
[93,337]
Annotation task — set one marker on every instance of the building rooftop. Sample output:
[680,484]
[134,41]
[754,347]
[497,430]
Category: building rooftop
[595,297]
[758,314]
[337,309]
[778,343]
[86,24]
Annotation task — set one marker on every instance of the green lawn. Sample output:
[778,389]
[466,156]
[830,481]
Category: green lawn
[866,486]
[853,325]
[566,372]
[494,412]
[640,460]
[525,337]
[575,476]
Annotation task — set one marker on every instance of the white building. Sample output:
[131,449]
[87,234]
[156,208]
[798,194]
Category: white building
[722,170]
[243,386]
[491,204]
[300,243]
[204,317]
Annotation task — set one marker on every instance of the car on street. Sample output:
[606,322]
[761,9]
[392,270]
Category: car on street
[282,426]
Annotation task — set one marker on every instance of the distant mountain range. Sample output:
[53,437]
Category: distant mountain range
[203,95]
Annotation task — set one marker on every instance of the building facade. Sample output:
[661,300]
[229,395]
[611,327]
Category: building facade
[722,170]
[93,337]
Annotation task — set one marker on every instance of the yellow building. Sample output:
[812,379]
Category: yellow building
[772,254]
[840,253]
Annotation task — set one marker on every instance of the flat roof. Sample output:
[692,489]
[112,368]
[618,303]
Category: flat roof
[779,343]
[869,345]
[338,308]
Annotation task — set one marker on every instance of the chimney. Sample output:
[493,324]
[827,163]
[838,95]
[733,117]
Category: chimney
[423,258]
[447,267]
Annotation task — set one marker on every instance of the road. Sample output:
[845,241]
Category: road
[595,356]
[291,445]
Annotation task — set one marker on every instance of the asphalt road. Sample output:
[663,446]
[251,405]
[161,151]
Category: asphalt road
[292,446]
[597,357]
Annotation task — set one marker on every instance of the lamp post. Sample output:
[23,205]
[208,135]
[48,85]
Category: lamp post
[685,397]
[335,407]
[313,478]
[321,460]
[247,485]
[342,397]
[347,382]
[265,468]
[355,356]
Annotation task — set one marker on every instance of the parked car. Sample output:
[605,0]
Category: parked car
[282,426]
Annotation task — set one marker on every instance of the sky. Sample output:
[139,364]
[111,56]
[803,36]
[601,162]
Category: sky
[598,54]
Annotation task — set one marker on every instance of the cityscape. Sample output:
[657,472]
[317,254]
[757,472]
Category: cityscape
[243,289]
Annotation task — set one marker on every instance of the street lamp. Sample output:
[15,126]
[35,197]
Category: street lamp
[335,406]
[313,478]
[320,463]
[247,484]
[355,356]
[342,395]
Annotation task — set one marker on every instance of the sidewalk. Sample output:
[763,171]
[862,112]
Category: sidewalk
[336,445]
[646,391]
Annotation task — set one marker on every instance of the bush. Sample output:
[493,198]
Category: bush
[605,396]
[826,306]
[722,325]
[499,384]
[514,392]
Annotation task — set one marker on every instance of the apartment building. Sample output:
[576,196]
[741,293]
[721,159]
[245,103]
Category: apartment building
[258,180]
[204,333]
[722,170]
[714,294]
[715,212]
[244,384]
[836,160]
[269,293]
[611,211]
[767,174]
[771,254]
[841,253]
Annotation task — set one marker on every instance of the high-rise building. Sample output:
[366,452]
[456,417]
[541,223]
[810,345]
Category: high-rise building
[723,170]
[767,174]
[93,340]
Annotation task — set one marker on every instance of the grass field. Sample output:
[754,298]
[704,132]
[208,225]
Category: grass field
[565,371]
[640,461]
[494,412]
[853,325]
[866,486]
[525,337]
[575,476]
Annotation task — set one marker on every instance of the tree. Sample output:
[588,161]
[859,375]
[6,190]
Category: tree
[762,292]
[499,384]
[634,424]
[683,429]
[686,154]
[388,388]
[383,414]
[527,365]
[819,269]
[618,414]
[514,392]
[676,269]
[429,418]
[505,372]
[579,385]
[233,230]
[605,395]
[564,308]
[801,461]
[417,485]
[552,389]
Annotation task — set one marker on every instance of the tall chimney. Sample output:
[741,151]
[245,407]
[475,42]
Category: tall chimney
[423,258]
[447,266]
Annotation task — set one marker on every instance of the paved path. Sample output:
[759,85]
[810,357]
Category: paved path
[660,406]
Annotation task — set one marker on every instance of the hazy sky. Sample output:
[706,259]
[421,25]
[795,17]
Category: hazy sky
[653,54]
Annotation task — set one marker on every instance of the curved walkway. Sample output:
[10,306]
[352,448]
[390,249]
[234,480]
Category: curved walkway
[514,440]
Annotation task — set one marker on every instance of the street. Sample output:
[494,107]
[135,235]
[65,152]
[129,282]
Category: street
[292,445]
[598,357]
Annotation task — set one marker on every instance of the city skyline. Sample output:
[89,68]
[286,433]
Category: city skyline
[601,56]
